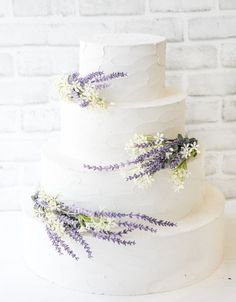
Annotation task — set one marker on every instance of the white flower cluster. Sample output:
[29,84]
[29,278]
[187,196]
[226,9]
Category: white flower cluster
[100,223]
[64,87]
[178,177]
[138,145]
[51,200]
[189,150]
[138,140]
[49,216]
[87,93]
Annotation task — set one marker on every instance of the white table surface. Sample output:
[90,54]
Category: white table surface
[18,284]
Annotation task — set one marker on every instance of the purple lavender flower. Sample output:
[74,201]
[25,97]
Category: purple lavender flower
[101,86]
[97,81]
[146,145]
[55,240]
[111,237]
[175,161]
[136,226]
[111,167]
[67,220]
[109,77]
[76,236]
[74,77]
[91,76]
[58,243]
[84,103]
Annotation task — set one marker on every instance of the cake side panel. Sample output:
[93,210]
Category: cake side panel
[100,137]
[144,65]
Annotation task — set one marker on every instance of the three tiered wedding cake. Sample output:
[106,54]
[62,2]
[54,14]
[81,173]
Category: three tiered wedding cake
[123,208]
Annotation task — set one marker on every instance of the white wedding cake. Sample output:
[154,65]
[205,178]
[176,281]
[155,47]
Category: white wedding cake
[107,219]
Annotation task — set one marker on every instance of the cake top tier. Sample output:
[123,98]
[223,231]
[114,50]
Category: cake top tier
[141,56]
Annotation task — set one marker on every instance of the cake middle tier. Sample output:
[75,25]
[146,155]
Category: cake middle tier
[95,190]
[99,137]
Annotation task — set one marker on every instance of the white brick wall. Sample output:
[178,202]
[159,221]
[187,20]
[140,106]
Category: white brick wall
[18,33]
[205,28]
[180,5]
[228,54]
[171,28]
[191,56]
[40,39]
[212,83]
[227,4]
[19,91]
[111,7]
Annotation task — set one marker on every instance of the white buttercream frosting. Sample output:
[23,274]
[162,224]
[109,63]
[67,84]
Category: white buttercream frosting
[142,57]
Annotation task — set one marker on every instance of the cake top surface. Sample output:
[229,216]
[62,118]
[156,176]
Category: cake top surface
[124,39]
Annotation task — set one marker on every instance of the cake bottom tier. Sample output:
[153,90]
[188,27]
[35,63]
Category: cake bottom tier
[173,258]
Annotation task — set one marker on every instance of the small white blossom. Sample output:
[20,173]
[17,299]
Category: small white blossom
[186,151]
[159,137]
[194,147]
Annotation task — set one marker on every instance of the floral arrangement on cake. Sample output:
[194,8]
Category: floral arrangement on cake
[65,222]
[86,90]
[152,153]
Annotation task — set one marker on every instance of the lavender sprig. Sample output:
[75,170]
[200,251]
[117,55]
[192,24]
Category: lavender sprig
[76,236]
[55,240]
[137,226]
[85,90]
[58,243]
[152,153]
[132,215]
[112,237]
[109,77]
[75,223]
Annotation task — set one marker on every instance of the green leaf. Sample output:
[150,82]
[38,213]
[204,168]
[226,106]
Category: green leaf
[183,165]
[35,196]
[149,138]
[84,218]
